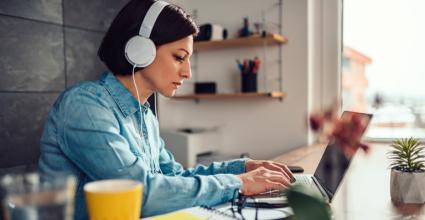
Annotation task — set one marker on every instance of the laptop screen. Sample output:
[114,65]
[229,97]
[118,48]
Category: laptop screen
[334,163]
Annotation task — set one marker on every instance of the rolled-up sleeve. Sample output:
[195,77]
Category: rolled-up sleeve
[90,137]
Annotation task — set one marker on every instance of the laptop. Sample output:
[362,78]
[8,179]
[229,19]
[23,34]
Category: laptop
[325,180]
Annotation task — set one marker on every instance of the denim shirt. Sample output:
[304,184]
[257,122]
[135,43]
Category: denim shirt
[93,131]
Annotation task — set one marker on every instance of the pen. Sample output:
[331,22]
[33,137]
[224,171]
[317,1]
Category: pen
[240,65]
[251,66]
[257,63]
[245,66]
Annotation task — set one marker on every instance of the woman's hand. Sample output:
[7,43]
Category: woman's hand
[262,180]
[270,165]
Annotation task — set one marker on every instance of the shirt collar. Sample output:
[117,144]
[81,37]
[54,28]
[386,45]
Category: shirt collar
[124,99]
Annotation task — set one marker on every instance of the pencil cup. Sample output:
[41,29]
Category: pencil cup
[249,82]
[114,199]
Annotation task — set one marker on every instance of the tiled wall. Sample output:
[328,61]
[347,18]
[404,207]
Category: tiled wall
[45,47]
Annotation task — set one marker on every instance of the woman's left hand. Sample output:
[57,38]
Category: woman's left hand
[271,165]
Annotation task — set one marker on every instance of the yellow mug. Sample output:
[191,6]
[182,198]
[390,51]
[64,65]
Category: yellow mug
[114,199]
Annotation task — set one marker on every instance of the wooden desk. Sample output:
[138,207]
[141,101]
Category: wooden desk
[365,190]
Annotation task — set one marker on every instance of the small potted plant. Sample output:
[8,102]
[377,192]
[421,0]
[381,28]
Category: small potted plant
[407,182]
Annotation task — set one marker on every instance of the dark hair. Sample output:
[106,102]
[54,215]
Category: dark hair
[172,24]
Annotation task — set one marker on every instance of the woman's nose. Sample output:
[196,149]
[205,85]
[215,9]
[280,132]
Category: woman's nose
[186,72]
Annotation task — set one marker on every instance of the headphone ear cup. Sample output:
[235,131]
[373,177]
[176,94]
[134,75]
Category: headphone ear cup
[140,51]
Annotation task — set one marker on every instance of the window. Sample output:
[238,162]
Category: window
[346,64]
[383,67]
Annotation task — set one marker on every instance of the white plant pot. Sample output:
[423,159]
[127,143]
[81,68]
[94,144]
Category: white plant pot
[407,187]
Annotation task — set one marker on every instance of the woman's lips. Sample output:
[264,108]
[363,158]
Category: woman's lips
[177,84]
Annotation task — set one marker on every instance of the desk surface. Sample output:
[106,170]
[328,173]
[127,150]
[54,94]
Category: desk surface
[365,190]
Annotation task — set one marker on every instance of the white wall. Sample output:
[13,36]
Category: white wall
[262,127]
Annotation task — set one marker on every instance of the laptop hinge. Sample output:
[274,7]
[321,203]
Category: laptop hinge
[321,189]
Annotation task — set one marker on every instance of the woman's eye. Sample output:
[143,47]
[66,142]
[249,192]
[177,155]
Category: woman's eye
[179,59]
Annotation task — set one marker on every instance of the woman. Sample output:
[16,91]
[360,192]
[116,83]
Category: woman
[105,129]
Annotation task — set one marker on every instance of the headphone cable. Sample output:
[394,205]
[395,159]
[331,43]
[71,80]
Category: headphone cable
[140,106]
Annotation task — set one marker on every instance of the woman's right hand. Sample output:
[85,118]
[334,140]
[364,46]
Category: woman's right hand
[262,180]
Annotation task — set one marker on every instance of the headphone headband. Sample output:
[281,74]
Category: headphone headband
[150,18]
[140,50]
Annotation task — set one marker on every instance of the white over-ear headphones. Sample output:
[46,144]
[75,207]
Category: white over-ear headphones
[140,51]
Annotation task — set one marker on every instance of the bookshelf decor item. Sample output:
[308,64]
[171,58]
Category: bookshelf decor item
[249,82]
[205,88]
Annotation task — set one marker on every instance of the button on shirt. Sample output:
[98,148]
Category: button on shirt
[95,131]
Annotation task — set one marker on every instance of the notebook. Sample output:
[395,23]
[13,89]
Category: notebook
[195,213]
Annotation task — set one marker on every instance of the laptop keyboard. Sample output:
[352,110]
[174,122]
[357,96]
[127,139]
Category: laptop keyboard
[273,193]
[305,180]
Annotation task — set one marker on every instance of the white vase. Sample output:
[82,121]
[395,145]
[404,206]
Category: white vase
[407,187]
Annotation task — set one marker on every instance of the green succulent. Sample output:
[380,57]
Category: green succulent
[407,155]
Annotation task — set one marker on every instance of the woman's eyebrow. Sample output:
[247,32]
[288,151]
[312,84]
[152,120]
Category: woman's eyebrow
[184,50]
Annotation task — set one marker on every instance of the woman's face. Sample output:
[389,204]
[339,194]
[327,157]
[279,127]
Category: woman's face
[170,67]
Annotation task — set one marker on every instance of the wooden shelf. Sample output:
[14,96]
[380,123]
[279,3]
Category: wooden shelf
[255,40]
[279,95]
